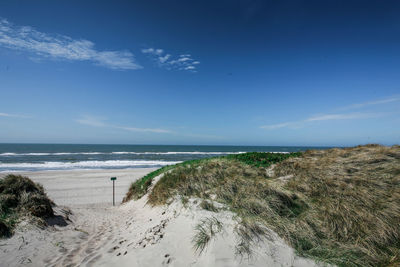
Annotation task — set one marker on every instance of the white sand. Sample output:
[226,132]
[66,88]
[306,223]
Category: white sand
[74,187]
[132,234]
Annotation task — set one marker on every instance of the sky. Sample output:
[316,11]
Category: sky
[248,72]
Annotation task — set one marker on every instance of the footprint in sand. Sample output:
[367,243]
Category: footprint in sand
[167,260]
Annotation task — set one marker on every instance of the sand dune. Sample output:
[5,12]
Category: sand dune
[132,234]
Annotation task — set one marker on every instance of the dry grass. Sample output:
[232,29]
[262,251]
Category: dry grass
[259,159]
[354,194]
[208,205]
[140,187]
[19,197]
[244,189]
[340,206]
[205,231]
[250,233]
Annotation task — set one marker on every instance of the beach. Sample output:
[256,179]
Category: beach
[241,133]
[86,187]
[252,209]
[88,231]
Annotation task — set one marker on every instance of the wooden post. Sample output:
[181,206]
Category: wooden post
[113,180]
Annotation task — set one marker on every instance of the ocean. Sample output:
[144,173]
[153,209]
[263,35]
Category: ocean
[37,157]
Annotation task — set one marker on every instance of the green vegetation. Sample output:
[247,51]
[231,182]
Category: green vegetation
[19,197]
[340,206]
[262,159]
[140,187]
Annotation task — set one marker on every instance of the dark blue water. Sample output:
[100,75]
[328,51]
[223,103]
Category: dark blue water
[32,157]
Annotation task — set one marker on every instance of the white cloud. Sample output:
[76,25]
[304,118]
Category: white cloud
[133,129]
[101,122]
[348,116]
[276,126]
[182,62]
[323,117]
[164,58]
[28,39]
[371,103]
[183,59]
[337,116]
[12,115]
[92,121]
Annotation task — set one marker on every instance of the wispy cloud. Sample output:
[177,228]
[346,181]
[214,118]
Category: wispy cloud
[182,62]
[372,103]
[101,122]
[323,117]
[347,116]
[338,116]
[277,126]
[152,130]
[12,115]
[92,121]
[41,44]
[5,115]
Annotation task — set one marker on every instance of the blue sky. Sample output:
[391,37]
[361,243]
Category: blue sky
[200,72]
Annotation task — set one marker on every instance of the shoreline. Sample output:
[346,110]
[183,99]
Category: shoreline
[84,187]
[72,170]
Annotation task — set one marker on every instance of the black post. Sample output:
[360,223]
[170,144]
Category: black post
[113,180]
[113,192]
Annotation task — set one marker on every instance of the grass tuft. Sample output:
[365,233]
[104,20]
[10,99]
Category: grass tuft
[20,196]
[250,233]
[205,231]
[208,205]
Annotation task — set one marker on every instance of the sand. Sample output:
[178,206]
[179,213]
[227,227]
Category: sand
[89,231]
[83,187]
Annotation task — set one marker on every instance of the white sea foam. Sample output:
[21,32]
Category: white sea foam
[177,153]
[120,153]
[86,164]
[8,154]
[53,154]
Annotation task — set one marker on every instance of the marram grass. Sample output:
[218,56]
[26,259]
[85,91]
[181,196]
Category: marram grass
[20,197]
[340,206]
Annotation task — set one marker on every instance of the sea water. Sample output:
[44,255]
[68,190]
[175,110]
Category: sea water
[35,157]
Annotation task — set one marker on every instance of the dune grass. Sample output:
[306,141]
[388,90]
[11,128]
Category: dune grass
[141,186]
[205,231]
[208,205]
[340,206]
[260,159]
[19,197]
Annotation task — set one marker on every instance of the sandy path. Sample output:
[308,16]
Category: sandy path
[94,222]
[99,228]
